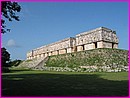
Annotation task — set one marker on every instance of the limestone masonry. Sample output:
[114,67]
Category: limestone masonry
[98,38]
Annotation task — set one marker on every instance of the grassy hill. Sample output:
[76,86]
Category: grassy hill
[96,58]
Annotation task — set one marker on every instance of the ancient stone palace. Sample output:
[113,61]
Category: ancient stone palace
[98,38]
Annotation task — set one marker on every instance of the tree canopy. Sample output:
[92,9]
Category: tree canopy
[9,10]
[5,57]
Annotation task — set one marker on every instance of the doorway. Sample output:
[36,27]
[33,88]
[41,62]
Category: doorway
[112,45]
[95,44]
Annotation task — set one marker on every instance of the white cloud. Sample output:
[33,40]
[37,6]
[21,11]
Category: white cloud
[11,43]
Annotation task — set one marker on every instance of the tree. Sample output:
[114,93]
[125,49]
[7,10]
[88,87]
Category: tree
[9,10]
[5,57]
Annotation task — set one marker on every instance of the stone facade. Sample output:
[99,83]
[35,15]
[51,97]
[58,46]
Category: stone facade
[98,38]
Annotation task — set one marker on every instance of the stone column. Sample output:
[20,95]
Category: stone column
[42,55]
[62,51]
[50,53]
[86,47]
[79,48]
[100,44]
[69,50]
[46,54]
[53,53]
[34,57]
[37,55]
[115,46]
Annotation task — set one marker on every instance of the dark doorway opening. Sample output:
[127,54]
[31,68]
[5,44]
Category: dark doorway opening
[83,47]
[57,52]
[112,45]
[95,44]
[65,50]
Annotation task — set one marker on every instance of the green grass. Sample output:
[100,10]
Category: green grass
[45,83]
[95,57]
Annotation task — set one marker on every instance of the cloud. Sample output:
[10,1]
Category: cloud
[11,43]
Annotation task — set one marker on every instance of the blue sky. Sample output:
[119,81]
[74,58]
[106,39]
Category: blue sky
[43,23]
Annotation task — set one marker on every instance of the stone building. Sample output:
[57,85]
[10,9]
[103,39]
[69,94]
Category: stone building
[98,38]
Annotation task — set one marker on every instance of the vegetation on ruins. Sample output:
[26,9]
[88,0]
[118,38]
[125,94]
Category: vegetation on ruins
[96,60]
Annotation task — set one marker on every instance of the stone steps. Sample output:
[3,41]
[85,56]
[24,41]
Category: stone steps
[34,63]
[41,64]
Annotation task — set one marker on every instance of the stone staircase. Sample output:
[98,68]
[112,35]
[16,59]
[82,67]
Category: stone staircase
[41,64]
[36,63]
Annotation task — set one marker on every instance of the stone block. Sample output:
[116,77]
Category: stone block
[100,44]
[55,52]
[42,55]
[69,50]
[50,53]
[89,46]
[46,54]
[79,48]
[62,51]
[115,46]
[107,45]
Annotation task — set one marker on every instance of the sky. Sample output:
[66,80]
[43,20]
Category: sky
[43,23]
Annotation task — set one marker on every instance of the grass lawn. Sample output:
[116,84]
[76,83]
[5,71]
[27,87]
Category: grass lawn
[44,83]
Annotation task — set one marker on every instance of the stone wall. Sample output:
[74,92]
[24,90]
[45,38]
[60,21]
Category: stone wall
[60,47]
[98,38]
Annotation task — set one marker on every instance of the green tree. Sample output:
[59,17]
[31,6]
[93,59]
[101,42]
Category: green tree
[9,10]
[5,57]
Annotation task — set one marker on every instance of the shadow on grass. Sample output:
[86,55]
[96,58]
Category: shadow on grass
[46,84]
[19,70]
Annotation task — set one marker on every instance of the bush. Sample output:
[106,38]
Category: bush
[5,69]
[14,63]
